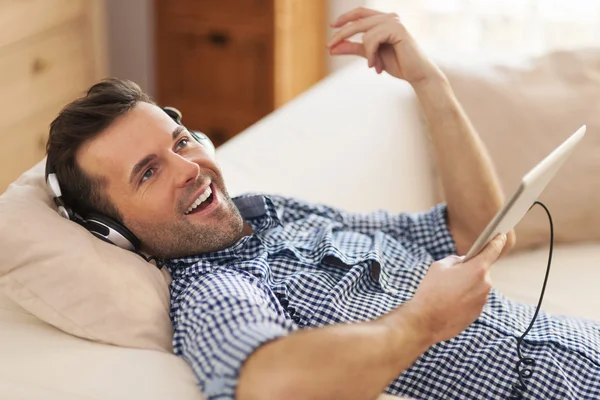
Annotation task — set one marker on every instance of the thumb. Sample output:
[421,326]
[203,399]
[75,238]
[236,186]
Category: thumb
[492,250]
[347,47]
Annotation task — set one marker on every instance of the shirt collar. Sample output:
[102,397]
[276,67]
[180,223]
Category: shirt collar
[258,210]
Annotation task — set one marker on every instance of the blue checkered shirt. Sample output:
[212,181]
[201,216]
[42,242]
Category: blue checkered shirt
[309,265]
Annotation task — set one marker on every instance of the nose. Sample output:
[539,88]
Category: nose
[186,171]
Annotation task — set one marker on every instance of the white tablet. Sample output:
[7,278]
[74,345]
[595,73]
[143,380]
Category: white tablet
[531,186]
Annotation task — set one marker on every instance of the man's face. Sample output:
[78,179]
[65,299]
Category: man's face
[155,173]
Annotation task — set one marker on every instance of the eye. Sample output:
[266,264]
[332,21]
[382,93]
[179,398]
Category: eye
[182,143]
[147,175]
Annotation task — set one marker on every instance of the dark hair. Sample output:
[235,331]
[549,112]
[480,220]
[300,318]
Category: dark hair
[78,122]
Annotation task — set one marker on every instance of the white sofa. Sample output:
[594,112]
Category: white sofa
[355,141]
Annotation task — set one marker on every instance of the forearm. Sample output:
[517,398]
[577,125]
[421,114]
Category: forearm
[348,361]
[471,187]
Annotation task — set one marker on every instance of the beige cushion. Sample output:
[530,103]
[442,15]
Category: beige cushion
[525,109]
[572,285]
[62,274]
[41,362]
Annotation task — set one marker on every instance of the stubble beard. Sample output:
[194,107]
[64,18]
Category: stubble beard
[183,238]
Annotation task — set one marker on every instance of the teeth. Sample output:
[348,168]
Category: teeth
[200,199]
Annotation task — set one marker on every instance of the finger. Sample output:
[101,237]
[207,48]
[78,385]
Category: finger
[353,15]
[373,39]
[357,27]
[378,63]
[370,47]
[347,47]
[492,251]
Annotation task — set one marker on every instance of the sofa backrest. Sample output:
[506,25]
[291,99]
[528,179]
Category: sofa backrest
[355,140]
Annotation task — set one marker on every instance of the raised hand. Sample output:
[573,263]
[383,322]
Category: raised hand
[386,44]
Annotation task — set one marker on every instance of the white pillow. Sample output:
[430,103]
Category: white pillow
[59,272]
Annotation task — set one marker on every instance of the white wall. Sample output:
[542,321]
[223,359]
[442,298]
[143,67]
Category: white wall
[131,39]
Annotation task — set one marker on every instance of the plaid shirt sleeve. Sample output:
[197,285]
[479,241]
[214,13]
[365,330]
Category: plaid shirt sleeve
[428,229]
[225,316]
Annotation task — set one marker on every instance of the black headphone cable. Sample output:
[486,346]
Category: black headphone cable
[520,387]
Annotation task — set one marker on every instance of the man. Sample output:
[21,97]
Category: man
[275,298]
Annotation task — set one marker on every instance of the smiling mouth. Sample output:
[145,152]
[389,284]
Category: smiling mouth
[197,208]
[203,205]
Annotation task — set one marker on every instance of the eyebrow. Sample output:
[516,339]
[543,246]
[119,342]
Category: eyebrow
[148,159]
[177,131]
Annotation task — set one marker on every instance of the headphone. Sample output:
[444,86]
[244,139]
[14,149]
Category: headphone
[103,226]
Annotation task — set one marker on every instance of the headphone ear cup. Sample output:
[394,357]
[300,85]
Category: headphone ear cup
[204,141]
[199,137]
[174,113]
[111,231]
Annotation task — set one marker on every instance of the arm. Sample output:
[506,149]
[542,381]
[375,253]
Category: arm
[470,186]
[357,361]
[239,342]
[351,361]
